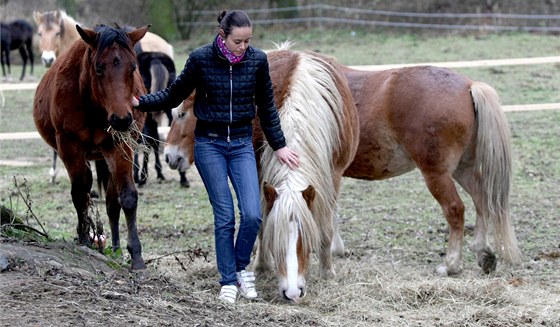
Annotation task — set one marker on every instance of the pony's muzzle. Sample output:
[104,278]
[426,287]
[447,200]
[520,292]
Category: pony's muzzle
[293,297]
[120,124]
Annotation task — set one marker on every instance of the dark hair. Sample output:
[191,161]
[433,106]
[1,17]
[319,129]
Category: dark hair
[234,18]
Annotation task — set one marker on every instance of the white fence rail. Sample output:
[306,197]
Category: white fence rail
[321,14]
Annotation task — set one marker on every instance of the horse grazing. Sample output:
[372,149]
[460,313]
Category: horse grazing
[452,129]
[320,122]
[82,110]
[17,35]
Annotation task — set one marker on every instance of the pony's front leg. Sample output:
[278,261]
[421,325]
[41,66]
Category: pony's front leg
[81,181]
[122,193]
[325,254]
[262,262]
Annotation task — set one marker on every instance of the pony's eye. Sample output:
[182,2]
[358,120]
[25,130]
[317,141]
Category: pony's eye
[133,67]
[116,62]
[99,70]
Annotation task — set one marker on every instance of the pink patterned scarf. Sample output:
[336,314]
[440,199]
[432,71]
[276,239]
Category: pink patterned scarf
[225,51]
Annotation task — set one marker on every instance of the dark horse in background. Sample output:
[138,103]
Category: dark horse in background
[17,35]
[82,109]
[158,71]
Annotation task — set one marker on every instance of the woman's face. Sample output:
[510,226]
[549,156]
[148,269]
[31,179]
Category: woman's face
[238,40]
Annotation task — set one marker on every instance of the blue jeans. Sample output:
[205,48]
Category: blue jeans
[216,160]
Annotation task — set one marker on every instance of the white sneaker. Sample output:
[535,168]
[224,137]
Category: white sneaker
[228,294]
[246,284]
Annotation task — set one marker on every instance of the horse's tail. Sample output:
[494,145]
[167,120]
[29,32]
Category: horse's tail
[494,164]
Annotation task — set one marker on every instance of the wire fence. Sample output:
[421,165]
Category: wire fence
[320,15]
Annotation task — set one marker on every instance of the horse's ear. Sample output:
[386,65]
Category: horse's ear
[37,16]
[309,195]
[138,33]
[86,34]
[270,195]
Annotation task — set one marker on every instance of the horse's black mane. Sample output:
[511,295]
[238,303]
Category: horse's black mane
[109,35]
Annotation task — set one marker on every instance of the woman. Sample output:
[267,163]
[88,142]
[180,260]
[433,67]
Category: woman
[230,77]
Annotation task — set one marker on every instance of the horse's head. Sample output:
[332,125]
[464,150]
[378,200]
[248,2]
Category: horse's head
[179,147]
[290,235]
[109,71]
[50,29]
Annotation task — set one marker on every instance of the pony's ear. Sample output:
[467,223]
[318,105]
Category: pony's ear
[86,34]
[270,195]
[138,33]
[309,195]
[37,16]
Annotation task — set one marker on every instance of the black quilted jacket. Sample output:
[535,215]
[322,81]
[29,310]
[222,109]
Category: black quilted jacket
[226,95]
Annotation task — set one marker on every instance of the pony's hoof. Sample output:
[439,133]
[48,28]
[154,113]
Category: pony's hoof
[487,261]
[185,184]
[444,271]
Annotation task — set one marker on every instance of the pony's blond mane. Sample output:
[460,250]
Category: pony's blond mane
[311,117]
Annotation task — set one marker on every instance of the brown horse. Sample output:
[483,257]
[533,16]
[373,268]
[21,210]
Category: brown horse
[451,129]
[320,122]
[82,105]
[57,33]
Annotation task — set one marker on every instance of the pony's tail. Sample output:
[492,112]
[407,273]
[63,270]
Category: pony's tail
[494,164]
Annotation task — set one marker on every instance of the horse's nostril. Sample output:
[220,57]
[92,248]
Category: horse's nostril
[167,158]
[302,292]
[285,297]
[120,124]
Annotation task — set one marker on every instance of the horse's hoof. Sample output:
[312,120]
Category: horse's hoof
[185,184]
[138,264]
[487,261]
[444,271]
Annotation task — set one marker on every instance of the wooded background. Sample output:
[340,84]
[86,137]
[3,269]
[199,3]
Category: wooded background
[177,19]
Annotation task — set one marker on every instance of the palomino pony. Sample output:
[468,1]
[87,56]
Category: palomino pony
[82,109]
[16,35]
[57,33]
[451,129]
[320,122]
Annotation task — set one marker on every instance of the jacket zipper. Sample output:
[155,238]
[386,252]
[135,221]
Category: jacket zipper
[230,101]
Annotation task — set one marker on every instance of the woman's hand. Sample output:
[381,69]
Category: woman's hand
[287,156]
[135,101]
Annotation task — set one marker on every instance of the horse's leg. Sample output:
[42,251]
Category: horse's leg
[151,126]
[158,162]
[262,263]
[444,191]
[53,171]
[485,256]
[337,247]
[122,194]
[325,254]
[23,54]
[183,180]
[2,56]
[136,168]
[29,47]
[81,180]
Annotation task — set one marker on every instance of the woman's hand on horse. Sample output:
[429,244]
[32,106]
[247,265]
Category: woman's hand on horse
[287,156]
[135,101]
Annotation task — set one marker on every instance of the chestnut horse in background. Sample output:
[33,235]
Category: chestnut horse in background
[82,109]
[452,129]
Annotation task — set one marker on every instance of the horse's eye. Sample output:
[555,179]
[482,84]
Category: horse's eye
[40,34]
[58,34]
[99,70]
[116,62]
[133,67]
